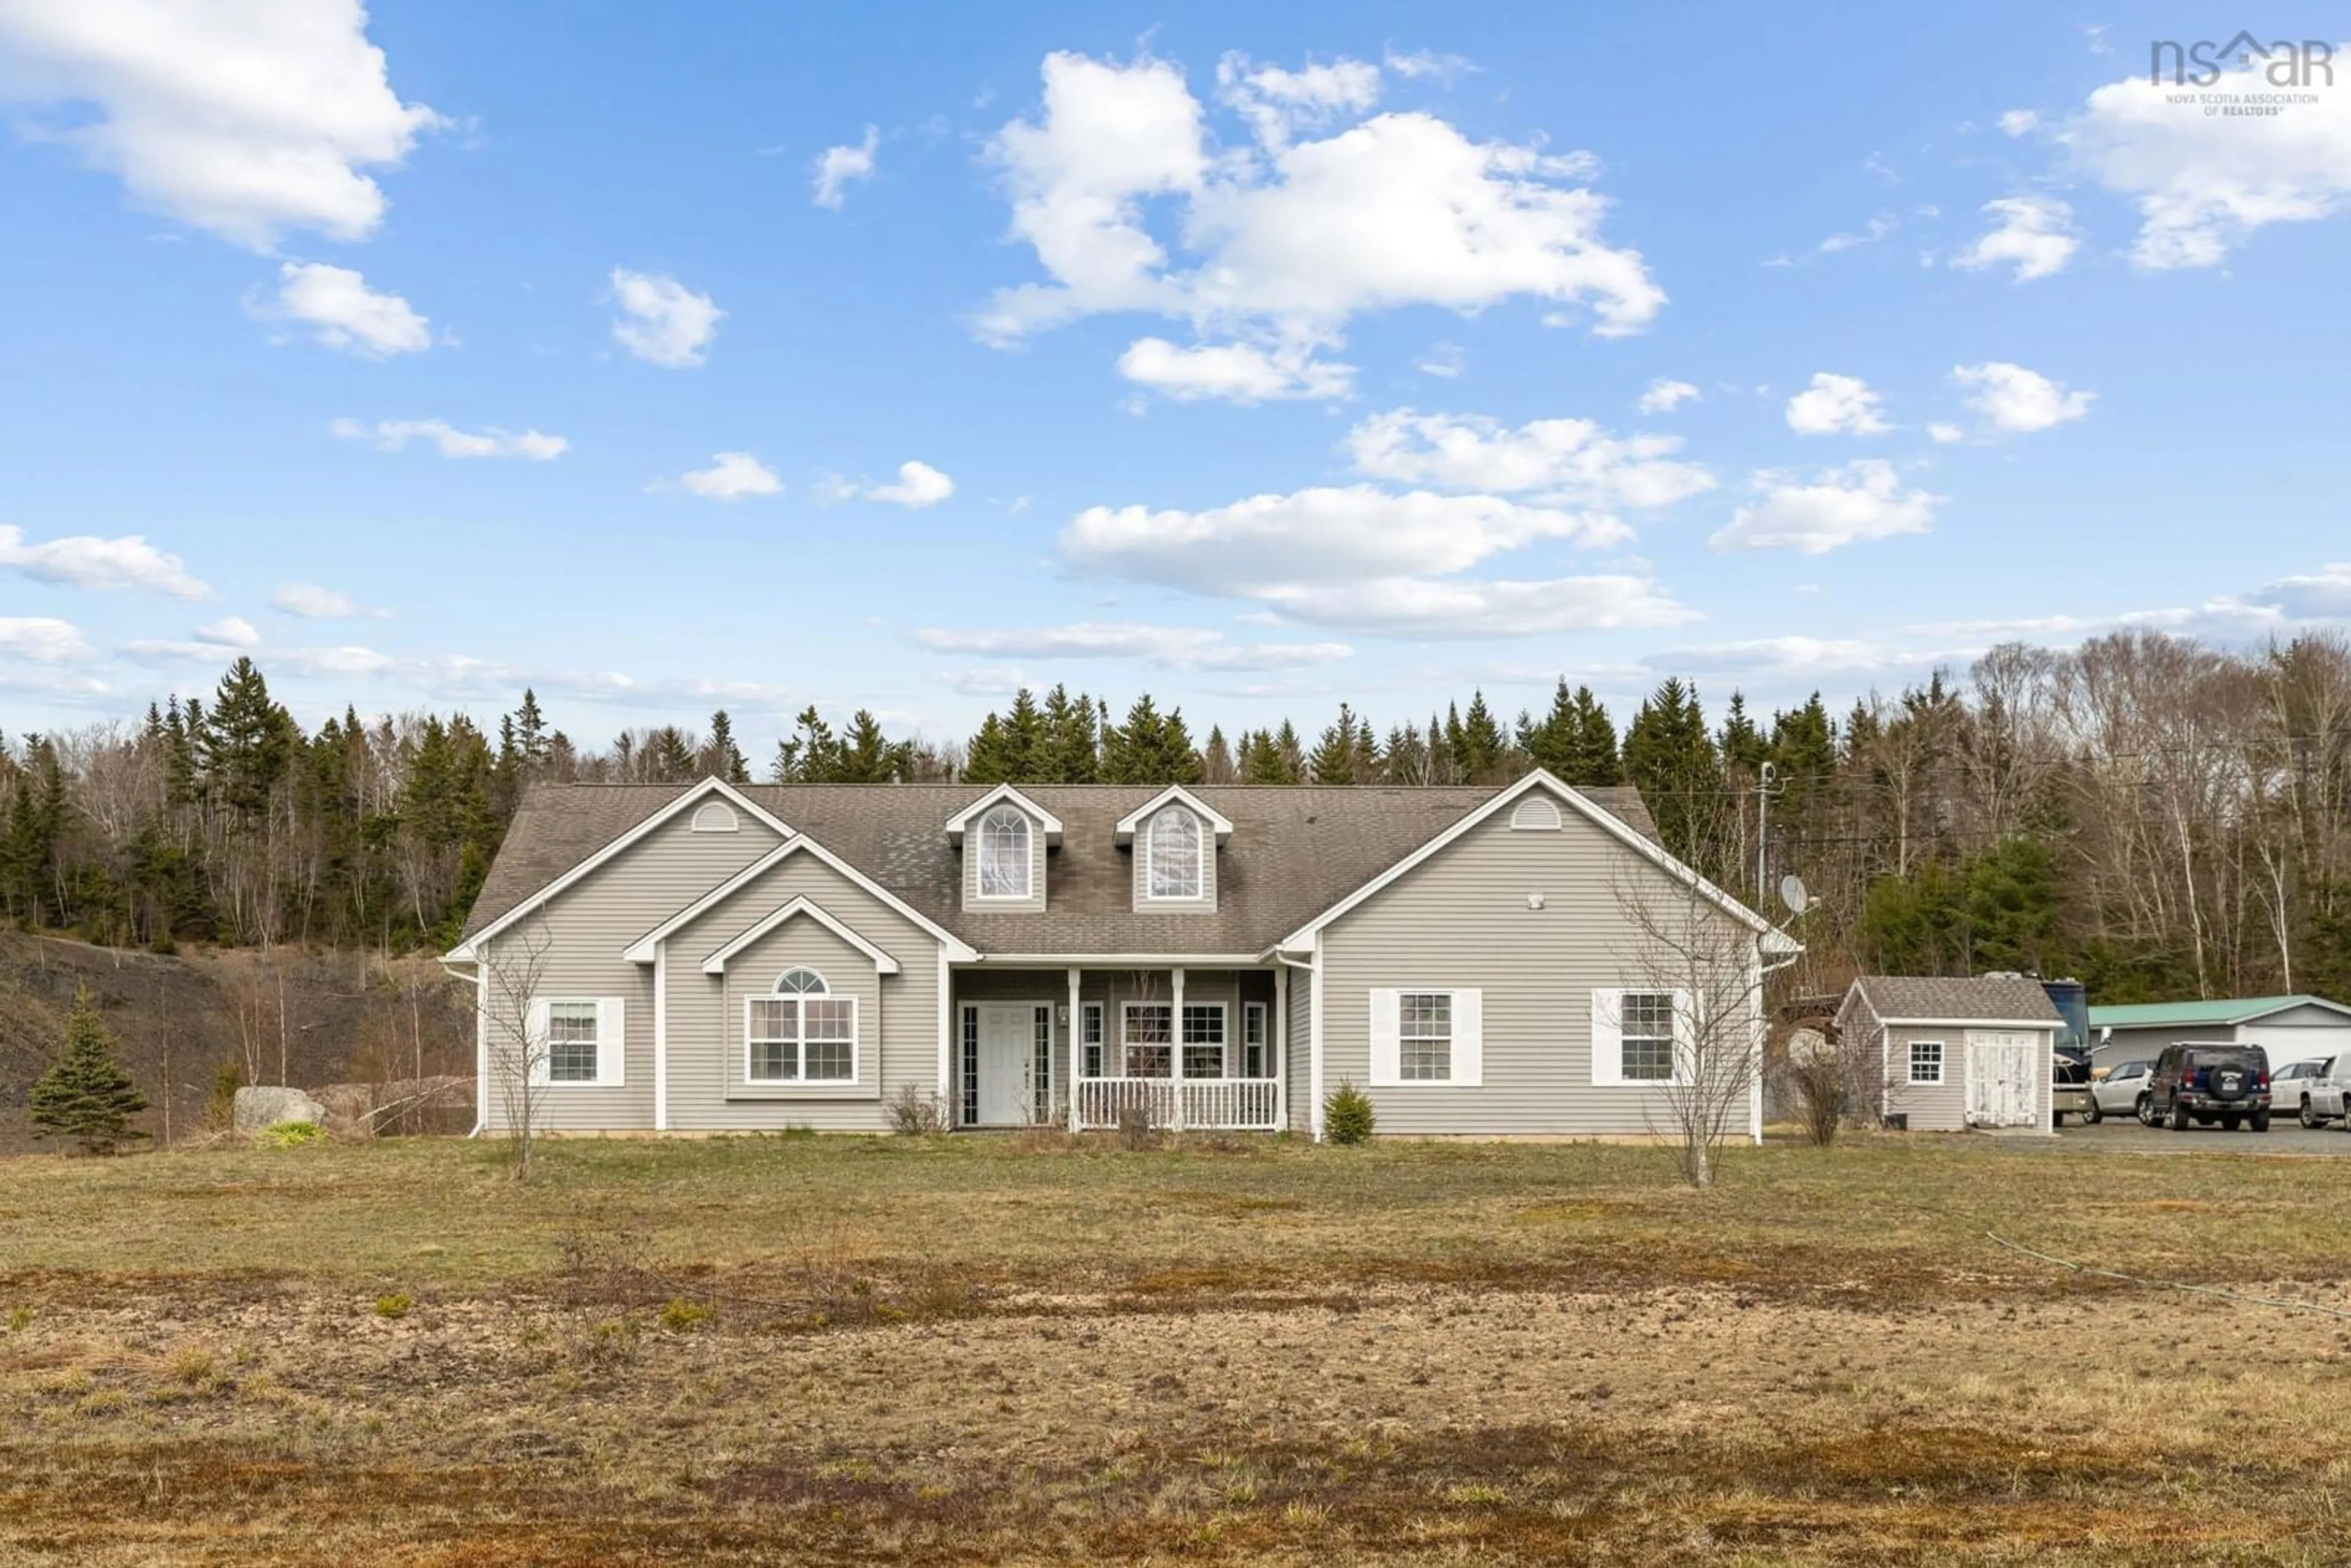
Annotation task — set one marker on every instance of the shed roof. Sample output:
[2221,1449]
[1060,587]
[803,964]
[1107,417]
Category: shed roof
[1295,851]
[1984,999]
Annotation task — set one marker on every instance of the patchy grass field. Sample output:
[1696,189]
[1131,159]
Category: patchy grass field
[1004,1350]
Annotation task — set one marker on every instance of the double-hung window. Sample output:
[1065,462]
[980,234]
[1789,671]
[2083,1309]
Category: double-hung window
[1641,1036]
[1425,1037]
[1005,867]
[1091,1013]
[1204,1039]
[1253,1040]
[574,1042]
[1646,1041]
[1925,1062]
[1149,1037]
[801,1034]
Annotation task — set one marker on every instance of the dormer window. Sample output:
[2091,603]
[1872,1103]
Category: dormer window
[1005,868]
[1176,849]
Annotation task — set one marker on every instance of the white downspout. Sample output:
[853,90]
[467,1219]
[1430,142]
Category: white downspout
[481,1047]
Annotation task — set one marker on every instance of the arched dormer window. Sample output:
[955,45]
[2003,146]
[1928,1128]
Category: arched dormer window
[715,816]
[1006,868]
[1176,868]
[1536,813]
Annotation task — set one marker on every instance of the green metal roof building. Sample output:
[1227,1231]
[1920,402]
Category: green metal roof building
[2299,1027]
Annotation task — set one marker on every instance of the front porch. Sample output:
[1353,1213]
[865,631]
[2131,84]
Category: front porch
[1086,1047]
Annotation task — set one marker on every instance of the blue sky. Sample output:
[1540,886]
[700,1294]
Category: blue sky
[1256,357]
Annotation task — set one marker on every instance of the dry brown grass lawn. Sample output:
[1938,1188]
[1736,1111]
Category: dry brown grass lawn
[968,1350]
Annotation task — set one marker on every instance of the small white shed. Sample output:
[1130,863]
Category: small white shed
[1957,1054]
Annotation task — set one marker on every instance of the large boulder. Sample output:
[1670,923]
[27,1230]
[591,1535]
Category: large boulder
[259,1106]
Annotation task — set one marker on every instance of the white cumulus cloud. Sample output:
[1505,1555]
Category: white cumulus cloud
[1836,405]
[248,118]
[835,167]
[1170,647]
[662,321]
[1862,500]
[391,434]
[1665,396]
[1237,372]
[42,639]
[342,312]
[731,477]
[84,560]
[1569,461]
[2324,594]
[2015,400]
[919,485]
[2033,234]
[2205,179]
[309,601]
[229,631]
[1291,238]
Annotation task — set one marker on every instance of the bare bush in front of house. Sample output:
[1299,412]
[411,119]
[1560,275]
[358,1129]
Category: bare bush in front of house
[516,1044]
[1136,1133]
[916,1111]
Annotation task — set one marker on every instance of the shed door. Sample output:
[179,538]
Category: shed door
[2002,1089]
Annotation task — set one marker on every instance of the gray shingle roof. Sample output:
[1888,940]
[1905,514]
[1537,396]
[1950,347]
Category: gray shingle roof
[1294,852]
[1953,1001]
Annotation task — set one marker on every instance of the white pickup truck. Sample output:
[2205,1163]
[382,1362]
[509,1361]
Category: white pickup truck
[2322,1096]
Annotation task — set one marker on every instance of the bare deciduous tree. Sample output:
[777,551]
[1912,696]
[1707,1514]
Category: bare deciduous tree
[511,970]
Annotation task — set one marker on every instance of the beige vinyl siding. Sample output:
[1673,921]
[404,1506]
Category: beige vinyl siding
[898,1014]
[1142,868]
[1035,902]
[1461,919]
[1932,1108]
[582,931]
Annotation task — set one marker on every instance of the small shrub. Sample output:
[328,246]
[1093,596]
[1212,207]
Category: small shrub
[1347,1114]
[395,1305]
[220,1108]
[1134,1130]
[681,1316]
[916,1111]
[288,1136]
[19,1319]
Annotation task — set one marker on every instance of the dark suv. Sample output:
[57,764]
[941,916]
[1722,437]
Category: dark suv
[2225,1083]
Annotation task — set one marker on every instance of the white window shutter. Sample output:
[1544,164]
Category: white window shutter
[534,1034]
[1386,1072]
[856,1042]
[1607,1035]
[611,1040]
[1469,1039]
[1685,1038]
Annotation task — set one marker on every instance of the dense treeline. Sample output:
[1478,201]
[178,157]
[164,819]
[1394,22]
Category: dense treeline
[2162,817]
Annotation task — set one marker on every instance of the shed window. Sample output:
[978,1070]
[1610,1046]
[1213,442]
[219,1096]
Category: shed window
[801,1034]
[1925,1062]
[1176,868]
[1004,860]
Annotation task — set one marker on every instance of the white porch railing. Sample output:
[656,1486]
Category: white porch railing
[1200,1104]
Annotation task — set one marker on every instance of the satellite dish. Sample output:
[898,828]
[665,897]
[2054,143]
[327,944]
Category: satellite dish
[1793,894]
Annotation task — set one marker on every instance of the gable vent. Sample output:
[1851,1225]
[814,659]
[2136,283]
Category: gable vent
[715,816]
[1536,813]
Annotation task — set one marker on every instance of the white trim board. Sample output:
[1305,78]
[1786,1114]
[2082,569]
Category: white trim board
[1124,831]
[1971,1023]
[883,963]
[1767,934]
[641,951]
[962,818]
[693,795]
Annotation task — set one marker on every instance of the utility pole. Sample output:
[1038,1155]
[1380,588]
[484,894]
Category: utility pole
[1762,813]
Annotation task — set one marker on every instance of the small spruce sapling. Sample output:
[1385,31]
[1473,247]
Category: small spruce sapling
[1347,1115]
[86,1095]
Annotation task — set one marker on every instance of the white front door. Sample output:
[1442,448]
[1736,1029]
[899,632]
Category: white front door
[2001,1090]
[1008,1064]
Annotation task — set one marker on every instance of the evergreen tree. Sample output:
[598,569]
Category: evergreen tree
[1336,754]
[720,756]
[86,1095]
[868,756]
[1072,746]
[986,759]
[809,754]
[1479,749]
[1261,760]
[1591,759]
[1669,755]
[1150,748]
[1024,740]
[1217,766]
[1289,756]
[248,744]
[37,820]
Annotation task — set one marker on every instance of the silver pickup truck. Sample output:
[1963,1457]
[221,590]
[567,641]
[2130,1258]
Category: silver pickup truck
[2323,1094]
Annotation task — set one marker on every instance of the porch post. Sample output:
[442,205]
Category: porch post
[1176,1042]
[1077,1045]
[1281,1033]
